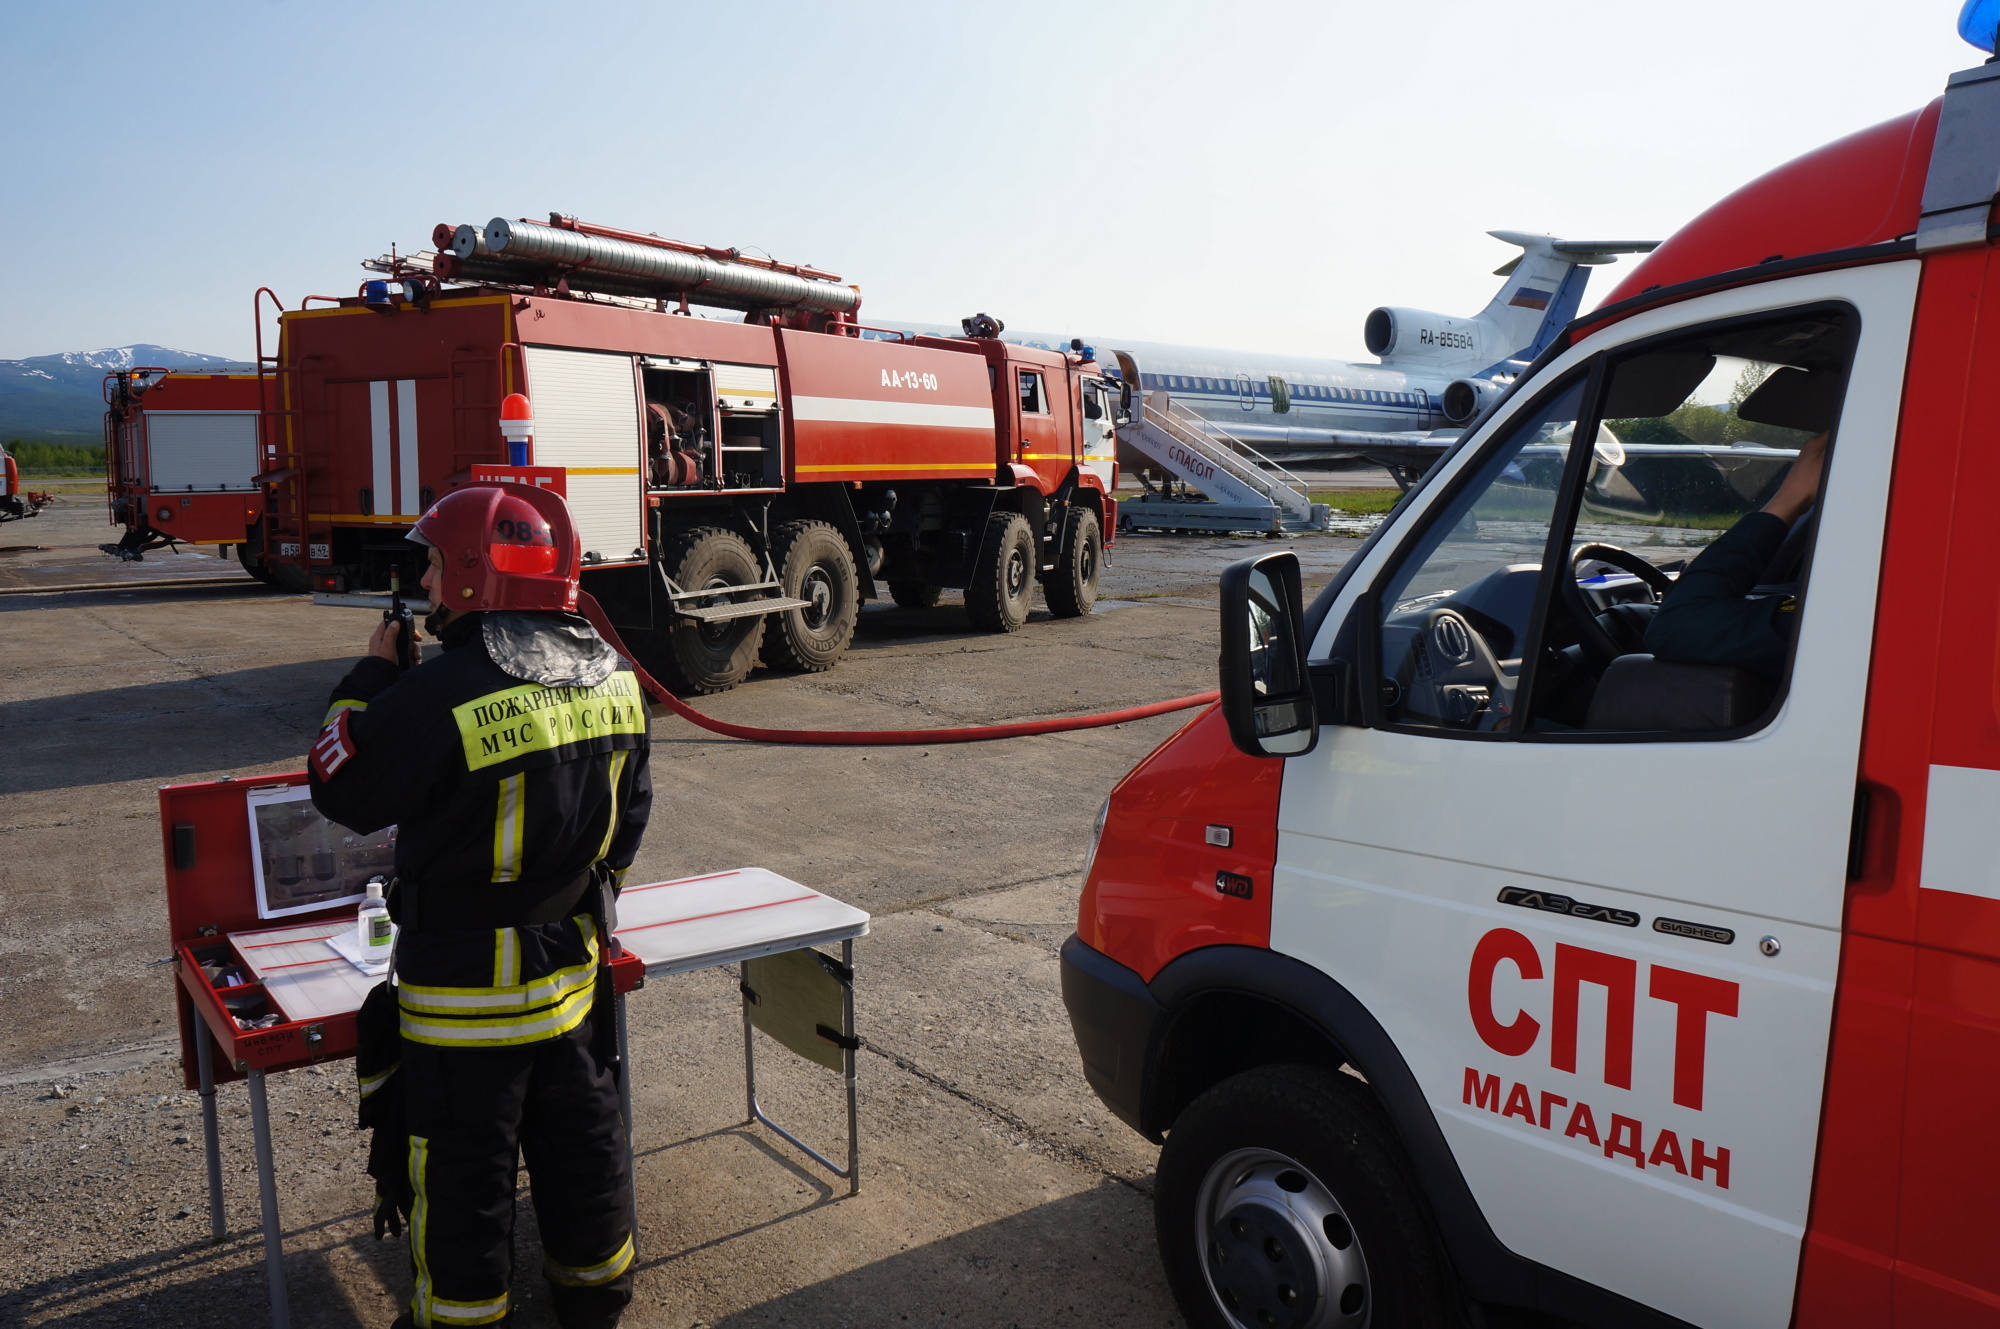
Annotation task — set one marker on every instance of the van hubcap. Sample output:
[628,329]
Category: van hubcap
[1277,1249]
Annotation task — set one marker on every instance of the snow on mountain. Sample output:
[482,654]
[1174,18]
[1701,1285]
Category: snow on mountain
[63,393]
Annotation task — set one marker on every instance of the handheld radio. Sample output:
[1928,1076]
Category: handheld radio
[399,613]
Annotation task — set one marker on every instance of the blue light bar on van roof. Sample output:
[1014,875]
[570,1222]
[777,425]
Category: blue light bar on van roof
[1977,21]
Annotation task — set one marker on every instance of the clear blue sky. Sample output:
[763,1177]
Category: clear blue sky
[1252,175]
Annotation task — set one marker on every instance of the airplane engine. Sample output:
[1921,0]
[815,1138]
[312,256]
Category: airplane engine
[1466,397]
[1394,333]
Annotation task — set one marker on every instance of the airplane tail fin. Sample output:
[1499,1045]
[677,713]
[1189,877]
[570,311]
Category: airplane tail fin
[1544,286]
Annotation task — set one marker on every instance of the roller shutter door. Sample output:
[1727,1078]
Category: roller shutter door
[586,407]
[201,450]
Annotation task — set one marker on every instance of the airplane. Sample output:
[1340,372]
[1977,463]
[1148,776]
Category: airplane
[1435,372]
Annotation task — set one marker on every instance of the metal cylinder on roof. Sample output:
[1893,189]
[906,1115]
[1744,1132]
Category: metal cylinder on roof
[488,268]
[703,279]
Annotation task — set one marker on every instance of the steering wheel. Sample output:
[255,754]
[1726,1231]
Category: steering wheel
[1466,680]
[1625,560]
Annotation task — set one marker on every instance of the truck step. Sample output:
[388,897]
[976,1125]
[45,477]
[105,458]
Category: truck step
[744,609]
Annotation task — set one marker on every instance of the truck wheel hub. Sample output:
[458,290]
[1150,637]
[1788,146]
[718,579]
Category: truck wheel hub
[818,591]
[1017,574]
[1278,1251]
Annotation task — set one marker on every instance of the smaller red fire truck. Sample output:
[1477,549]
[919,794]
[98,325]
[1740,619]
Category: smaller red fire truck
[740,487]
[1487,948]
[180,459]
[16,502]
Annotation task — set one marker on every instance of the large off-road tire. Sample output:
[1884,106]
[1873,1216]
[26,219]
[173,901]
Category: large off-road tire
[1071,588]
[814,565]
[1002,588]
[288,577]
[693,657]
[914,594]
[1283,1199]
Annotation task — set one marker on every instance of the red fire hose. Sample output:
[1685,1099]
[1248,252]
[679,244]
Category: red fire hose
[875,737]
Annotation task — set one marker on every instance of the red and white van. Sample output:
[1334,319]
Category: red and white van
[1474,955]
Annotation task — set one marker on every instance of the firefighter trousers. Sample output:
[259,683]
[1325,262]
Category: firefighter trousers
[473,1114]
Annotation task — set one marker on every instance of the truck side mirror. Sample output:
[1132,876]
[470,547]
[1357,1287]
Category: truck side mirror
[1267,698]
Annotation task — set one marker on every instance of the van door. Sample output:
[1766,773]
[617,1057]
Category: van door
[1595,895]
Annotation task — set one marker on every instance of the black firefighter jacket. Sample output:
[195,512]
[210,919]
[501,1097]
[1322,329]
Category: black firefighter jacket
[514,766]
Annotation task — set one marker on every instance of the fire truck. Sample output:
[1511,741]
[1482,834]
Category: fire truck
[740,487]
[16,502]
[180,456]
[1509,937]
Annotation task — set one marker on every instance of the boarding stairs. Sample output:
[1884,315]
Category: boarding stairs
[1236,487]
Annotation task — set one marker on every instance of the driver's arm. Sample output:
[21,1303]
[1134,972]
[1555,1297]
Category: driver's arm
[1706,618]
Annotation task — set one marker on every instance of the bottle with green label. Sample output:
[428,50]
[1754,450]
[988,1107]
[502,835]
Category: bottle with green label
[377,935]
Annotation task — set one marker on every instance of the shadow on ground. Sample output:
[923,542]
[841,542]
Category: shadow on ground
[161,730]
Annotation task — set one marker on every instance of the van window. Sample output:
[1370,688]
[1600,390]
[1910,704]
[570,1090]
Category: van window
[1032,400]
[1648,585]
[1699,436]
[1456,611]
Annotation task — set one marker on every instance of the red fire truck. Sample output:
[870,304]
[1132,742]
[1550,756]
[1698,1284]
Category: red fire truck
[180,456]
[740,487]
[1487,946]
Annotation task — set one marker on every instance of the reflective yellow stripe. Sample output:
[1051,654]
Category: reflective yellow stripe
[611,826]
[370,1083]
[345,704]
[591,1275]
[512,999]
[420,1219]
[504,725]
[508,823]
[506,958]
[468,1312]
[535,1028]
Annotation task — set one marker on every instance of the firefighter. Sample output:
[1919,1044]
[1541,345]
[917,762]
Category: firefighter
[514,763]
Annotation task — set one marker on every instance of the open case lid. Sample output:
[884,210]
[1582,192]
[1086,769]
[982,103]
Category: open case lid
[211,871]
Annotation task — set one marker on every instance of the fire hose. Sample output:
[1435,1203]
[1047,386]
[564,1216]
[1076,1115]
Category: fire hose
[874,737]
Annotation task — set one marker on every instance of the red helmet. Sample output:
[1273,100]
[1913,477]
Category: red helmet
[505,546]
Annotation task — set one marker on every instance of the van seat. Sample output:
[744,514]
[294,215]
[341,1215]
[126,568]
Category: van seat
[1639,692]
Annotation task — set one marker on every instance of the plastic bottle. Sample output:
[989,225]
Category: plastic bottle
[375,934]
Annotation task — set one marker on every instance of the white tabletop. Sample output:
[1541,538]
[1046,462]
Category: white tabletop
[303,976]
[673,926]
[677,926]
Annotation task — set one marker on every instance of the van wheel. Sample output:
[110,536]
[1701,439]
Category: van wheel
[914,594]
[695,657]
[1284,1202]
[1002,587]
[814,565]
[1071,589]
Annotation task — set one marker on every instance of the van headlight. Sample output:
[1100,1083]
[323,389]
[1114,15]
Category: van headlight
[1096,834]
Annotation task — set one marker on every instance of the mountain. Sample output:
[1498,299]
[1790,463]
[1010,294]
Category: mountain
[47,395]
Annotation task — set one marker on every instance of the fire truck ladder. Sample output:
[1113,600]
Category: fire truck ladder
[1241,488]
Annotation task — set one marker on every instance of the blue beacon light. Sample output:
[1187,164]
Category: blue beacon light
[1977,21]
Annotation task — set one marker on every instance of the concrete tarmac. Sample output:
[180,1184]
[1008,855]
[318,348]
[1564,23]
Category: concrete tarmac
[996,1190]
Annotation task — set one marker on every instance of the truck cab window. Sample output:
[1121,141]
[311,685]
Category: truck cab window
[1032,400]
[1456,609]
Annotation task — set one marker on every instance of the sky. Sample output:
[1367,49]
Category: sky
[1244,175]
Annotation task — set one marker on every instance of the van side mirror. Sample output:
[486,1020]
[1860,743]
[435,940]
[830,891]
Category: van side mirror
[1267,697]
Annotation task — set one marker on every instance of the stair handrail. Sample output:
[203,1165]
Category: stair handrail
[1216,445]
[1265,464]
